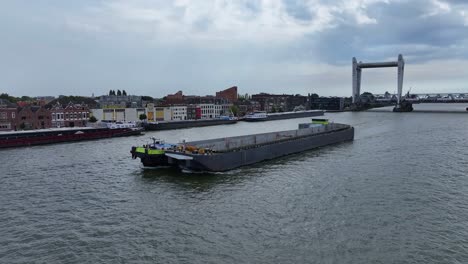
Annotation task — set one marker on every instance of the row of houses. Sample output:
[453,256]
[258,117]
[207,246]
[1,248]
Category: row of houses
[13,117]
[163,113]
[29,117]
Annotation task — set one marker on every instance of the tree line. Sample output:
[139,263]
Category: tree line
[14,99]
[118,93]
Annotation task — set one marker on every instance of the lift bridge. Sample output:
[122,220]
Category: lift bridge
[357,70]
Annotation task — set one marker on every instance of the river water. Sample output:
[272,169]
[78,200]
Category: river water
[397,194]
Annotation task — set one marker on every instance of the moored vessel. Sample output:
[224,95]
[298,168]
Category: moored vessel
[168,125]
[256,116]
[264,116]
[59,135]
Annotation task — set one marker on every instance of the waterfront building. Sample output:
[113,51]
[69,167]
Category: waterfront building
[225,109]
[279,102]
[8,113]
[327,103]
[69,116]
[163,113]
[179,112]
[33,117]
[150,112]
[118,114]
[193,112]
[247,107]
[209,111]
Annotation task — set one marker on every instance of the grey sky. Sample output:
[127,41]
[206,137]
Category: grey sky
[148,47]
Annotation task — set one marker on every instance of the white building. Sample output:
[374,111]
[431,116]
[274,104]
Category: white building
[209,111]
[179,112]
[118,114]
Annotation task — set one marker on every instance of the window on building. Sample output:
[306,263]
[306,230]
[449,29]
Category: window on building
[13,114]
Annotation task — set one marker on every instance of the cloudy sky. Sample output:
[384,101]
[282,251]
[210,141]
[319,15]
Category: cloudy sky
[156,47]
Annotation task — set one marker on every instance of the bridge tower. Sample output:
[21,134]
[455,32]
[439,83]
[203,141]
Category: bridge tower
[357,69]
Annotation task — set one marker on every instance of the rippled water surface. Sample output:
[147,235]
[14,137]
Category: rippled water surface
[397,194]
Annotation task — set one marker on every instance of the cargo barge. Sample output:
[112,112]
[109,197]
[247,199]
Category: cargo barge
[224,154]
[59,135]
[263,116]
[167,125]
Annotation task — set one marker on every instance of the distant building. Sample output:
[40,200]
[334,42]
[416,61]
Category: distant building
[118,114]
[222,97]
[33,117]
[150,112]
[8,113]
[179,112]
[294,101]
[71,115]
[229,94]
[208,99]
[193,112]
[327,103]
[247,107]
[163,114]
[279,102]
[120,101]
[207,111]
[177,98]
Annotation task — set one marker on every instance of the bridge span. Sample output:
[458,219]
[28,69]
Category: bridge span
[357,73]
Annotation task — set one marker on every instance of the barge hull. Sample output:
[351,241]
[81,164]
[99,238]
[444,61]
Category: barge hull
[292,115]
[288,115]
[150,157]
[242,157]
[61,136]
[187,124]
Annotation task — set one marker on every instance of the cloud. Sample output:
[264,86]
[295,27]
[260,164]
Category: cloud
[350,27]
[253,21]
[438,8]
[157,47]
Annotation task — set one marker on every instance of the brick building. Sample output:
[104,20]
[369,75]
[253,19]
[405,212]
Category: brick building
[177,98]
[222,97]
[247,107]
[8,113]
[229,94]
[327,103]
[279,102]
[71,115]
[33,117]
[207,99]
